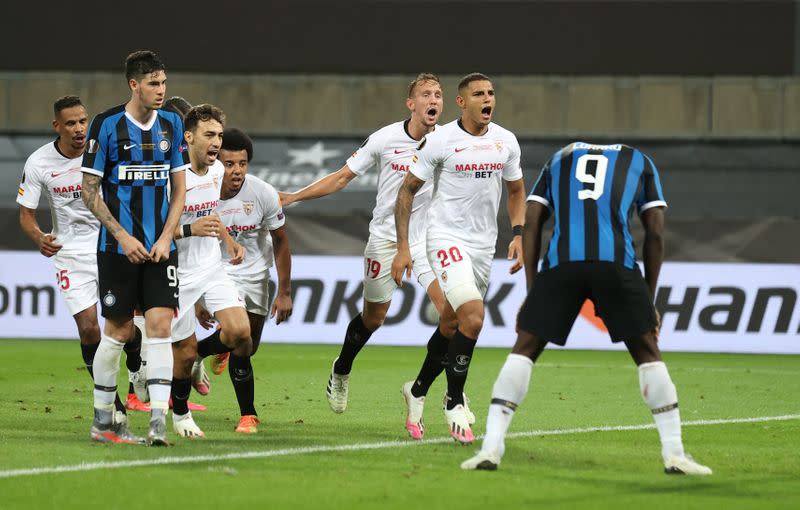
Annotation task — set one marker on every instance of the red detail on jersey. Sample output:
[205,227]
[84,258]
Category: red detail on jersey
[399,168]
[242,228]
[67,189]
[400,152]
[479,167]
[201,206]
[461,149]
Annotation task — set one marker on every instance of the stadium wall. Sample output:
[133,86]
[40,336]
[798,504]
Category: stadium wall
[705,307]
[558,106]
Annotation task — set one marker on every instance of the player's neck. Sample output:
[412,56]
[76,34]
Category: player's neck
[226,193]
[472,127]
[417,129]
[198,168]
[66,149]
[139,112]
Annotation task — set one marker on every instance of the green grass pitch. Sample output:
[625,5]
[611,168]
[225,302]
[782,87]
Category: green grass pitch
[307,457]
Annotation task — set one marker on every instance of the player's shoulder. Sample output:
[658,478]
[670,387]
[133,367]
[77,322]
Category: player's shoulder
[389,132]
[217,168]
[498,131]
[258,185]
[112,114]
[46,151]
[440,135]
[171,117]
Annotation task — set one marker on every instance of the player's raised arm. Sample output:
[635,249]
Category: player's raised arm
[331,183]
[516,212]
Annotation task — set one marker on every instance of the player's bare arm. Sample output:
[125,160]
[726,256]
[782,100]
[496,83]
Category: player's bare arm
[402,215]
[536,215]
[516,212]
[282,306]
[331,183]
[177,199]
[45,242]
[131,246]
[653,247]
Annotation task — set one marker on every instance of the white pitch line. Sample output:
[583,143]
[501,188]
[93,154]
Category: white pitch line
[94,466]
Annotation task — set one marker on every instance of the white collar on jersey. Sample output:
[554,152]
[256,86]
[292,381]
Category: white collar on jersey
[143,127]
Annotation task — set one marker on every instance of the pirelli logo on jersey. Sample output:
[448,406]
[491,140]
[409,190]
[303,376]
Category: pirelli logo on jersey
[144,172]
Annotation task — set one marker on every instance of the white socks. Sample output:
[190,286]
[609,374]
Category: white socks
[661,397]
[509,391]
[159,371]
[106,370]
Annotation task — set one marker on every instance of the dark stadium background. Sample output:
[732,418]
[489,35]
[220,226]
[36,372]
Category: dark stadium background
[711,90]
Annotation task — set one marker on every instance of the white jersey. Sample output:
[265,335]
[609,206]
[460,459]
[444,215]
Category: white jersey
[249,216]
[467,171]
[199,256]
[50,172]
[391,150]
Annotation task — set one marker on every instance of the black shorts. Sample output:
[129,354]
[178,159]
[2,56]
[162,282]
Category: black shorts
[620,296]
[125,285]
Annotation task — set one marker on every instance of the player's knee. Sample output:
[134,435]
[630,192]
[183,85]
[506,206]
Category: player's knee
[89,333]
[373,321]
[471,325]
[448,326]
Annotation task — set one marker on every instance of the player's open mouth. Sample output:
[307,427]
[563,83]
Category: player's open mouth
[79,139]
[432,112]
[486,111]
[213,153]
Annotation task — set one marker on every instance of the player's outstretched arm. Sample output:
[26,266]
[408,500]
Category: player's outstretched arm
[536,215]
[46,242]
[90,192]
[653,247]
[402,262]
[282,306]
[177,199]
[516,212]
[323,187]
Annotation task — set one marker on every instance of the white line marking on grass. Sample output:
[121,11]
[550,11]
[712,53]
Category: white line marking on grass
[94,466]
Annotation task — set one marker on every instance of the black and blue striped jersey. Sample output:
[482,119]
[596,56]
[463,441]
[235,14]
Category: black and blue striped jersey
[135,162]
[592,190]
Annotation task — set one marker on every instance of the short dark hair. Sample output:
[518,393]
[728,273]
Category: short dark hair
[62,103]
[421,77]
[177,104]
[141,63]
[236,140]
[466,80]
[202,113]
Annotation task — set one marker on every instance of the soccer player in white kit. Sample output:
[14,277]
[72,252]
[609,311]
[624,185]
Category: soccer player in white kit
[469,159]
[251,211]
[200,274]
[390,150]
[55,171]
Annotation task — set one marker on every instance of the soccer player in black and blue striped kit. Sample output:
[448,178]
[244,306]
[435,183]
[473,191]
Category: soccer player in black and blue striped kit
[134,151]
[592,191]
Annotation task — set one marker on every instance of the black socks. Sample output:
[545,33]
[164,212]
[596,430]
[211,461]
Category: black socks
[434,364]
[355,338]
[459,356]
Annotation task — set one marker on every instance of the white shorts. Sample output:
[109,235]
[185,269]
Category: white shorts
[215,295]
[254,290]
[76,278]
[463,272]
[378,257]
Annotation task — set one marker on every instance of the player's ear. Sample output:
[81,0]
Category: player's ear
[460,101]
[55,124]
[410,104]
[187,135]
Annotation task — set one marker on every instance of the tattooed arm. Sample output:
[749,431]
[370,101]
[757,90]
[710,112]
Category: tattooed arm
[402,215]
[90,191]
